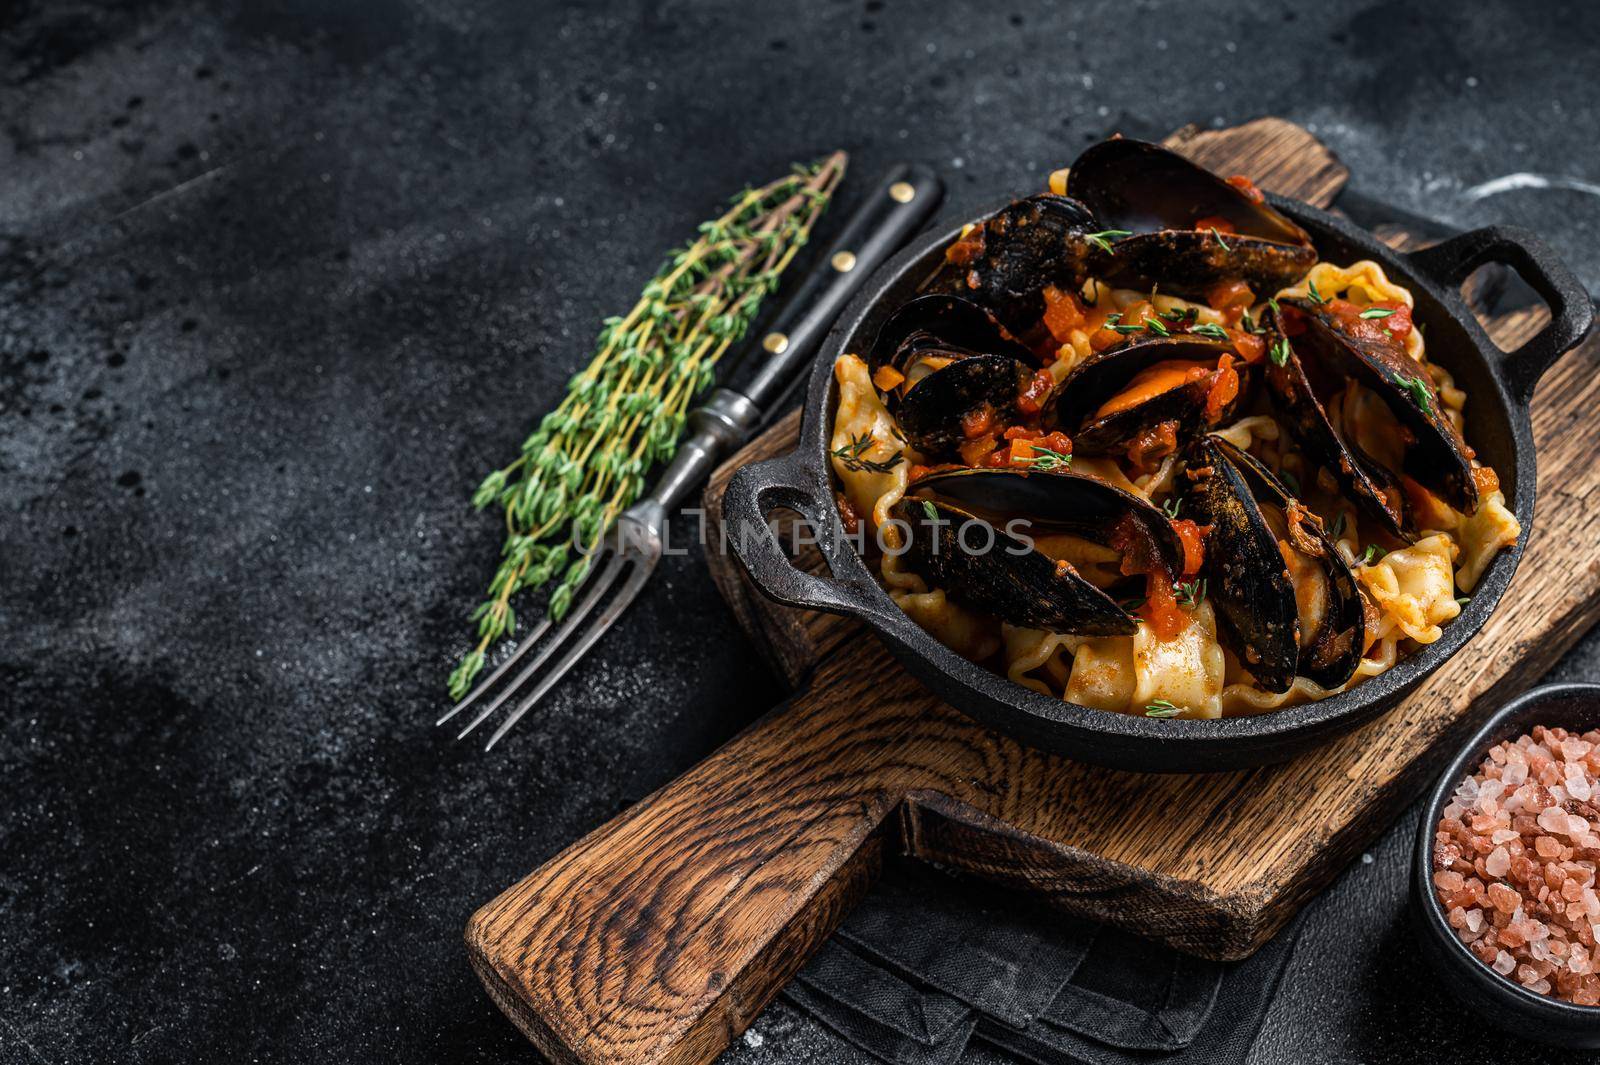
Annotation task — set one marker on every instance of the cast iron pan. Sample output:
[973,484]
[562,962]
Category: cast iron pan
[1498,385]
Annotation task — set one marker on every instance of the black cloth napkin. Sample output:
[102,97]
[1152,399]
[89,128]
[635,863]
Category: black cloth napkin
[928,963]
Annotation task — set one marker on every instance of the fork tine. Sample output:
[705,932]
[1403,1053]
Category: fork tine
[484,685]
[593,593]
[628,592]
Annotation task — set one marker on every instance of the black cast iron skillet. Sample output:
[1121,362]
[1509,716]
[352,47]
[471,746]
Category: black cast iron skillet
[1498,386]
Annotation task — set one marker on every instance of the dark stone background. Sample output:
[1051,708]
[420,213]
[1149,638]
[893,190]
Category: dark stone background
[280,279]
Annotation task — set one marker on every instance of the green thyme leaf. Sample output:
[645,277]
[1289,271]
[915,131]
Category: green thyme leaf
[1377,312]
[1172,506]
[930,511]
[1418,390]
[1279,352]
[1216,233]
[1191,593]
[1162,708]
[1311,287]
[1044,458]
[1210,329]
[1372,554]
[1103,239]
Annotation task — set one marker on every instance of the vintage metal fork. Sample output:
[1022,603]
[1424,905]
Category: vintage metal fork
[633,546]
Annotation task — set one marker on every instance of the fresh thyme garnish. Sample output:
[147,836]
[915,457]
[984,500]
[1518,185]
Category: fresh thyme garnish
[1157,326]
[1222,243]
[1103,239]
[1191,593]
[1290,481]
[1172,506]
[929,511]
[1372,554]
[1418,390]
[1250,325]
[852,456]
[1279,352]
[1130,605]
[1210,329]
[1338,525]
[1162,708]
[1044,458]
[1463,600]
[1188,314]
[1377,312]
[624,412]
[1311,287]
[1126,329]
[1272,301]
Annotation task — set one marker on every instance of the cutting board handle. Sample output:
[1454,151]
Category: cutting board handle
[660,935]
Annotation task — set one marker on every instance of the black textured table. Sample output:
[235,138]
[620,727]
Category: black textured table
[279,281]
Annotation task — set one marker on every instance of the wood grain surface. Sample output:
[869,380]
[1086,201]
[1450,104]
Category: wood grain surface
[659,936]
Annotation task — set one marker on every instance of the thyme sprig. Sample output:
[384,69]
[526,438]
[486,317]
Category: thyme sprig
[624,412]
[1103,239]
[1191,593]
[853,456]
[1162,708]
[1047,459]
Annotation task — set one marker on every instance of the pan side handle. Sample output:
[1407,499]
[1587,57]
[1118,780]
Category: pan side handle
[1571,309]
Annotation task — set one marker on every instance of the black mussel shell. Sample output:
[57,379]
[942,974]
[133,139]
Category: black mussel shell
[1055,501]
[1249,582]
[1247,579]
[1439,459]
[1102,376]
[1020,250]
[987,569]
[940,321]
[1158,197]
[931,414]
[1361,479]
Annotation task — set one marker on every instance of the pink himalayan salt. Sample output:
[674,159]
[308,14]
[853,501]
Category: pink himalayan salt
[1514,862]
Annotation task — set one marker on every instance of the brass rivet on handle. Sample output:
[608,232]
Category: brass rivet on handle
[775,343]
[843,261]
[902,192]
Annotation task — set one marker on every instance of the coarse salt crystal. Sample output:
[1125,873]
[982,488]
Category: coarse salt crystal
[1514,863]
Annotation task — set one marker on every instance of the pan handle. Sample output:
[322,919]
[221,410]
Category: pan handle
[1571,310]
[762,487]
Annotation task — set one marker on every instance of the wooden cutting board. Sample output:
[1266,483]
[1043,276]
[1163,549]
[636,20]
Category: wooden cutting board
[660,936]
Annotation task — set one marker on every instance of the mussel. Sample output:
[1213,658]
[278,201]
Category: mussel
[1147,398]
[1007,261]
[1326,374]
[956,365]
[962,541]
[1278,626]
[1185,228]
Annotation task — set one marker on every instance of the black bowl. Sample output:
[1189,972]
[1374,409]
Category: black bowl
[1502,1001]
[1498,383]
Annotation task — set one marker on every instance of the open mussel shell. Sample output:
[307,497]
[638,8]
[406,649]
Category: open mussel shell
[934,413]
[944,322]
[1264,622]
[1104,376]
[1159,197]
[1011,257]
[987,569]
[1437,458]
[1361,478]
[1053,501]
